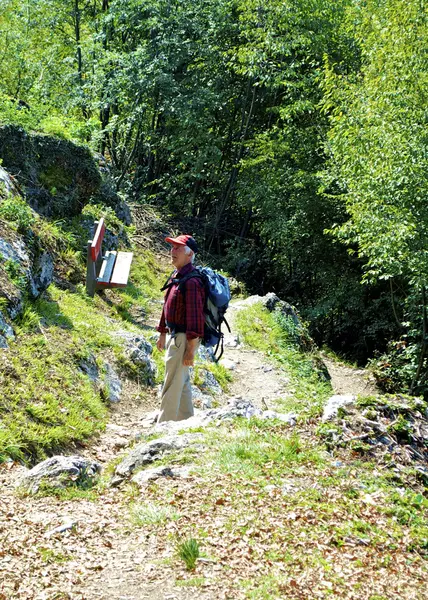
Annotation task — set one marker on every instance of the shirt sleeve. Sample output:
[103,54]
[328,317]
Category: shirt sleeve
[162,324]
[195,317]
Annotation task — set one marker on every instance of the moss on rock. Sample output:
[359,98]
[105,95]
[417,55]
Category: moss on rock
[58,177]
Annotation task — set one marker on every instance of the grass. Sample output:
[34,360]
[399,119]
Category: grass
[189,552]
[275,336]
[151,514]
[47,401]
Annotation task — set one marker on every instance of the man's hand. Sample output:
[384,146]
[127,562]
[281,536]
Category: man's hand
[190,351]
[160,344]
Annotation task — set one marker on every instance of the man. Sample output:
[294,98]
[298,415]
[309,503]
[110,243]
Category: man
[183,318]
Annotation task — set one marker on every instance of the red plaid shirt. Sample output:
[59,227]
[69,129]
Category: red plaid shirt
[185,309]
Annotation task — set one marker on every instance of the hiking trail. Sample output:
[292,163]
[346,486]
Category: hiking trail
[102,557]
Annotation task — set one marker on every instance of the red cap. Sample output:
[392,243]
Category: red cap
[183,240]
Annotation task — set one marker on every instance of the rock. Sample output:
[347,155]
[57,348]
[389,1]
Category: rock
[139,351]
[58,177]
[119,429]
[5,329]
[209,383]
[66,526]
[336,402]
[112,384]
[232,341]
[270,301]
[147,367]
[290,418]
[146,452]
[228,364]
[89,366]
[9,186]
[200,398]
[236,407]
[143,477]
[321,369]
[205,353]
[59,471]
[42,275]
[3,343]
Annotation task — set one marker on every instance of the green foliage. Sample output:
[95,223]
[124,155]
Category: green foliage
[378,160]
[189,552]
[17,213]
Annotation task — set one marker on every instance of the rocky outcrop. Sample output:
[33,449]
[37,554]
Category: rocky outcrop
[59,471]
[23,271]
[7,184]
[57,176]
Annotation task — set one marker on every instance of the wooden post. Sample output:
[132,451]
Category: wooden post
[91,271]
[91,274]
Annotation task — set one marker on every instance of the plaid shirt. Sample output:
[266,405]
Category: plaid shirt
[185,309]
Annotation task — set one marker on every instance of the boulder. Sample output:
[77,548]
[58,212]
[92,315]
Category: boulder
[139,351]
[59,471]
[24,269]
[89,366]
[57,176]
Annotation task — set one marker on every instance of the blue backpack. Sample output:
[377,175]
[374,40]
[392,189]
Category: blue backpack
[217,298]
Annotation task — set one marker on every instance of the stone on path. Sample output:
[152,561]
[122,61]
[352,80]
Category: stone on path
[236,407]
[147,452]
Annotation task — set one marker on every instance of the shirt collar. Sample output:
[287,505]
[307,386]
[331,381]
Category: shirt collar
[186,269]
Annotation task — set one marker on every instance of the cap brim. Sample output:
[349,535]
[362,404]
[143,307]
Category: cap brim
[175,241]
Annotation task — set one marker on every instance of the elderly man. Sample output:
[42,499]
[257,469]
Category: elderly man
[183,318]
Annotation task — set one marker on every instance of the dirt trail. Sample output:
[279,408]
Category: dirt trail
[104,557]
[349,380]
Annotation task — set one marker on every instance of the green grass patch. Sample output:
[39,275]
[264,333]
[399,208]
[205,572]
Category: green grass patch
[151,514]
[189,552]
[277,337]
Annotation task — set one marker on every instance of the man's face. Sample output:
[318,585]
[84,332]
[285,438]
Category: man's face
[179,258]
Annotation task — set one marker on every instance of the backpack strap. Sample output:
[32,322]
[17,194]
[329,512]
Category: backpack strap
[169,282]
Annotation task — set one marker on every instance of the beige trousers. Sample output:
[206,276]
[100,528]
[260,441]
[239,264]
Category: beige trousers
[176,401]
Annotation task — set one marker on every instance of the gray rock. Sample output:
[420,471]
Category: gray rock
[3,342]
[204,400]
[15,251]
[236,407]
[228,364]
[205,353]
[89,366]
[66,526]
[334,403]
[210,383]
[43,273]
[143,477]
[59,471]
[270,301]
[7,182]
[147,367]
[290,418]
[146,452]
[5,329]
[232,341]
[112,384]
